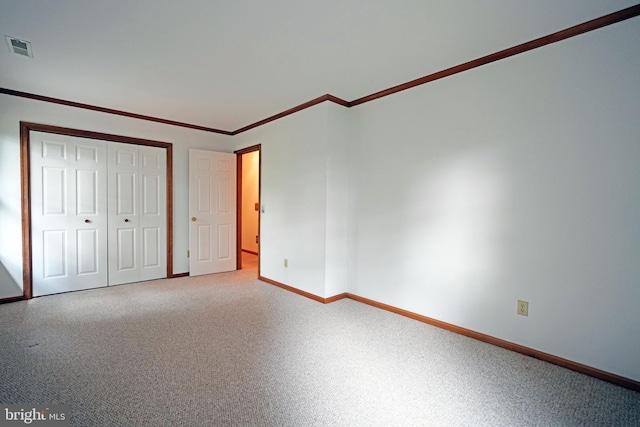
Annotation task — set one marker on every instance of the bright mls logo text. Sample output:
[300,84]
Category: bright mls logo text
[39,416]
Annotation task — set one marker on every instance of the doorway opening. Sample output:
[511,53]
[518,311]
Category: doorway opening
[249,168]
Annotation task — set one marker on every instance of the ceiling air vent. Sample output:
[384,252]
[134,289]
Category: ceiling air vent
[21,47]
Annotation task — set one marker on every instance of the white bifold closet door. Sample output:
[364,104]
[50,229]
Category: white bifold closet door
[137,213]
[68,213]
[98,213]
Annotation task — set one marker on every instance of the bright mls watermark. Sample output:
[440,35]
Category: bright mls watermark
[35,415]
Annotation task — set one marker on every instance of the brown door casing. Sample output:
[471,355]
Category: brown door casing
[239,154]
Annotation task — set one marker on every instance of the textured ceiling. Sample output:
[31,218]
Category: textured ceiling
[228,63]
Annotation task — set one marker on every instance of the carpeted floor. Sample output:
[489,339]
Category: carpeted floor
[229,350]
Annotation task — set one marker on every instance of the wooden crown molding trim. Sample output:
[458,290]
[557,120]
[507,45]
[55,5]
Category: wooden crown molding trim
[576,30]
[108,110]
[594,24]
[295,109]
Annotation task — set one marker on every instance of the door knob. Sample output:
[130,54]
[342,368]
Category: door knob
[126,220]
[87,221]
[193,218]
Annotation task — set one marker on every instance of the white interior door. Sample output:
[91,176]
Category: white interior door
[212,208]
[137,213]
[68,213]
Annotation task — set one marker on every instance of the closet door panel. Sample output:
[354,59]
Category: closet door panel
[68,213]
[153,216]
[54,255]
[123,213]
[87,244]
[137,213]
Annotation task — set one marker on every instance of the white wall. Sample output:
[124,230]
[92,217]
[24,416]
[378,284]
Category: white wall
[515,180]
[14,109]
[294,191]
[305,191]
[340,167]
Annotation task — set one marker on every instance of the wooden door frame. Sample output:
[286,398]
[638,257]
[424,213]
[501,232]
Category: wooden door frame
[239,153]
[25,168]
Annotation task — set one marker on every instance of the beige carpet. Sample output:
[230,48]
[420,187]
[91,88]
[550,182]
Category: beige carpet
[227,349]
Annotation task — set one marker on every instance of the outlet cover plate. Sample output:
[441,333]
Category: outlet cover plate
[523,308]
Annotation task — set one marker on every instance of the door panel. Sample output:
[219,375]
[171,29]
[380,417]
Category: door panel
[137,216]
[123,176]
[150,195]
[52,150]
[223,196]
[152,225]
[204,191]
[55,260]
[224,243]
[126,156]
[86,192]
[86,154]
[54,191]
[203,253]
[150,244]
[125,196]
[212,208]
[68,212]
[87,241]
[126,250]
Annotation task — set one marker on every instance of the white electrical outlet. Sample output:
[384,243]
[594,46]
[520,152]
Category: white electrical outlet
[286,263]
[523,308]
